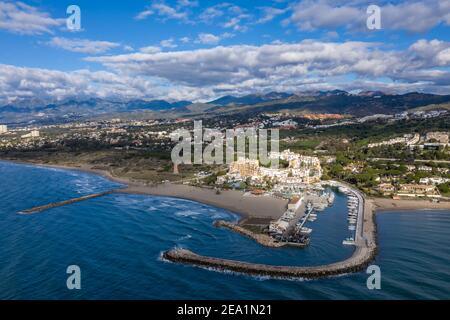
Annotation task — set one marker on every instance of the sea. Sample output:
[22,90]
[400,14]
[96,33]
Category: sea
[117,241]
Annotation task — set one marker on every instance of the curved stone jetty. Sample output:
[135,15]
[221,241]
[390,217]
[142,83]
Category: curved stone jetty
[357,262]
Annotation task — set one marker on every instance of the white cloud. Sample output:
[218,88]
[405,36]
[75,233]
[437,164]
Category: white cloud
[150,49]
[144,14]
[416,16]
[83,45]
[270,13]
[232,16]
[185,40]
[311,15]
[236,23]
[18,17]
[206,73]
[17,83]
[276,64]
[168,43]
[165,11]
[211,39]
[187,3]
[210,14]
[413,16]
[208,38]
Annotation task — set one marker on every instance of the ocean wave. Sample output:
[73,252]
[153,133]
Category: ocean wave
[186,237]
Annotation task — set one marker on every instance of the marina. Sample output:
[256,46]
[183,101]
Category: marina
[362,238]
[353,204]
[290,227]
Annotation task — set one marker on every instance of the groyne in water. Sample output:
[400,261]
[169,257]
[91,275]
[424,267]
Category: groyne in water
[65,202]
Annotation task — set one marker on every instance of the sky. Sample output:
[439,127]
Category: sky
[198,50]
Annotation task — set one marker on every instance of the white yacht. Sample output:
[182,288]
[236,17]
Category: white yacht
[305,230]
[349,241]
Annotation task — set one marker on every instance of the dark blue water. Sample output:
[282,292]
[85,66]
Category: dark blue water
[117,241]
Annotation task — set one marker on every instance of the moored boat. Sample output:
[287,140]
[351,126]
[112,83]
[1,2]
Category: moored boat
[349,241]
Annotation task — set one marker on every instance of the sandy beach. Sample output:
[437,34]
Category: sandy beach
[236,201]
[266,207]
[384,204]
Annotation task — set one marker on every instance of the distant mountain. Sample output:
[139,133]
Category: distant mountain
[73,109]
[249,99]
[333,93]
[371,94]
[155,105]
[340,102]
[334,102]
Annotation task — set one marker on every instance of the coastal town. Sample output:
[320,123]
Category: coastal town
[282,204]
[413,164]
[225,159]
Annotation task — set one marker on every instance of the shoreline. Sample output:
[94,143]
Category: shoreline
[231,200]
[386,204]
[202,195]
[366,246]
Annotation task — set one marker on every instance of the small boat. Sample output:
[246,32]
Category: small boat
[330,198]
[349,242]
[305,230]
[352,227]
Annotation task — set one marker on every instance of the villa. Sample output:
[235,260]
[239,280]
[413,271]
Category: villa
[418,190]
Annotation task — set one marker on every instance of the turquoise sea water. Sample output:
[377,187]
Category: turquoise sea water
[117,242]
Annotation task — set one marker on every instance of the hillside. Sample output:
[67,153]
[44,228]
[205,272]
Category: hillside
[324,102]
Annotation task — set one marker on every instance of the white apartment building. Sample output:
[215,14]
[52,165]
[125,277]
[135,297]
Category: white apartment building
[32,134]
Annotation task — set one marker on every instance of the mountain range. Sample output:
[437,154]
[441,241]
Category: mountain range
[335,101]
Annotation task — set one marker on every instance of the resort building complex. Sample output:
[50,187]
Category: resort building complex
[300,170]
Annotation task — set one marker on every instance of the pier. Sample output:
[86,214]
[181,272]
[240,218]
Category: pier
[65,202]
[262,239]
[304,218]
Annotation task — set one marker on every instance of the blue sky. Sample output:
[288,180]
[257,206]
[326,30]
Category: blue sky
[198,50]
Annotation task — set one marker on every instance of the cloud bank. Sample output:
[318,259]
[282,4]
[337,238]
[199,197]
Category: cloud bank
[203,74]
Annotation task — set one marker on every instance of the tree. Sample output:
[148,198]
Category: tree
[444,188]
